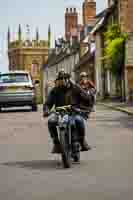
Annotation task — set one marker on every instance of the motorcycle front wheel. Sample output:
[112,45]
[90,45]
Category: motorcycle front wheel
[66,151]
[75,147]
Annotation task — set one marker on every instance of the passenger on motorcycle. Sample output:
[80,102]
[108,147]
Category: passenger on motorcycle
[89,86]
[67,93]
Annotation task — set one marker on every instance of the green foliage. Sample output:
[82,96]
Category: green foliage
[112,32]
[114,53]
[114,48]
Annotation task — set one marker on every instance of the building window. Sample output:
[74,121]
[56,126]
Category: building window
[35,68]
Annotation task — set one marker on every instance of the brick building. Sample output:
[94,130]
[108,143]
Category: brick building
[71,23]
[86,62]
[73,54]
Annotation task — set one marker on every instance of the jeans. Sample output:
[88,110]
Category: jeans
[53,122]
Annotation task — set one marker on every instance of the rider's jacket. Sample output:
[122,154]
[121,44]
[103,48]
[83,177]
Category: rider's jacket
[73,95]
[90,87]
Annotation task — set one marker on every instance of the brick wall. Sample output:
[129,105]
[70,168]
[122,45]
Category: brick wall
[126,15]
[130,15]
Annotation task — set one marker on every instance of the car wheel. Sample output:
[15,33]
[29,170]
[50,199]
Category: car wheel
[34,108]
[0,109]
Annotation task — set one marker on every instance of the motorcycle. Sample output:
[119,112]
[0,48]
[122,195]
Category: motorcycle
[67,133]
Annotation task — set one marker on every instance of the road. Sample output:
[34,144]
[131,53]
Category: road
[28,171]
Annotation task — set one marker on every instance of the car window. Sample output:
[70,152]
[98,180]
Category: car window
[13,78]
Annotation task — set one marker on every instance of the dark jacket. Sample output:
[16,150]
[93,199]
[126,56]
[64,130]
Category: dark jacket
[73,95]
[91,102]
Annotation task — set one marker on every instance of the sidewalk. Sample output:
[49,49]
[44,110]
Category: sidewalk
[123,107]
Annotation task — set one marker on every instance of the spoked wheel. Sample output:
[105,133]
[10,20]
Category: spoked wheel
[75,147]
[66,152]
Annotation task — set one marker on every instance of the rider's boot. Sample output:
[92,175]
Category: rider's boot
[84,145]
[56,147]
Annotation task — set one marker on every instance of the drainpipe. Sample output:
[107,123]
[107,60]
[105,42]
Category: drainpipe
[124,74]
[108,82]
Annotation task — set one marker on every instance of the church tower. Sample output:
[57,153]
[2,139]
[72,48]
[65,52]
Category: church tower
[28,54]
[89,12]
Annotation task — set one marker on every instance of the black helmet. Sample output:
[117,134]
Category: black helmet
[67,76]
[62,75]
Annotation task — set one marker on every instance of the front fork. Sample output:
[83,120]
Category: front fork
[71,135]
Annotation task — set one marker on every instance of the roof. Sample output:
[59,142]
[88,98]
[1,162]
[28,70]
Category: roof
[87,38]
[99,15]
[98,25]
[56,58]
[103,16]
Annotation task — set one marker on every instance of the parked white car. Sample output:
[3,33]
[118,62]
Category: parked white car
[17,89]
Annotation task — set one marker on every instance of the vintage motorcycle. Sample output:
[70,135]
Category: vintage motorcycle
[67,133]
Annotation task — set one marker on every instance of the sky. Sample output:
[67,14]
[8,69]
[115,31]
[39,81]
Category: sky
[39,14]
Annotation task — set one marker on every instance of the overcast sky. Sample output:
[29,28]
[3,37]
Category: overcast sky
[39,14]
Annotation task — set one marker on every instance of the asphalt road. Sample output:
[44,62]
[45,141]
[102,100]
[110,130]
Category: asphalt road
[28,171]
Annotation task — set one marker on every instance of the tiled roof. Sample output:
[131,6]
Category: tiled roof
[103,16]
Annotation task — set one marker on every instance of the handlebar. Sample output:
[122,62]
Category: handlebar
[70,108]
[63,108]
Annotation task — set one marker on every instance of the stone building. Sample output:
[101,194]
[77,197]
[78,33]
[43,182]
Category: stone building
[85,64]
[118,12]
[105,82]
[125,19]
[29,55]
[60,59]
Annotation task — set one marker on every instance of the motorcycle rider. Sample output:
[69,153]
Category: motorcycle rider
[67,93]
[89,86]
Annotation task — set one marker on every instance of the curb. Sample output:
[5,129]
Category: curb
[117,108]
